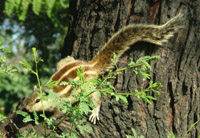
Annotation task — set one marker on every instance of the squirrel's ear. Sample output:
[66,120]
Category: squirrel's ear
[35,88]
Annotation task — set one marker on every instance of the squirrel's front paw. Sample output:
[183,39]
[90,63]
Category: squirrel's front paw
[94,116]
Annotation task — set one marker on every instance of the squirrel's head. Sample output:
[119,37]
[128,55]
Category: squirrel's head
[34,101]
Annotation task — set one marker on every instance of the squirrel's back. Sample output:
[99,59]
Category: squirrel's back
[121,41]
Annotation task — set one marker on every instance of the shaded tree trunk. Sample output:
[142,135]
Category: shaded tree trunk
[178,107]
[178,69]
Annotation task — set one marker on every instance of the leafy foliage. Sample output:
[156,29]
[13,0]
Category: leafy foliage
[11,83]
[27,117]
[19,37]
[140,67]
[22,36]
[135,135]
[172,135]
[28,134]
[37,4]
[81,93]
[51,7]
[4,68]
[2,117]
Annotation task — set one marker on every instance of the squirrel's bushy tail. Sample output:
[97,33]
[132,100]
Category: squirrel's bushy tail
[121,41]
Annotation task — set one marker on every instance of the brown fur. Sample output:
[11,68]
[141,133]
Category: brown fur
[131,34]
[65,68]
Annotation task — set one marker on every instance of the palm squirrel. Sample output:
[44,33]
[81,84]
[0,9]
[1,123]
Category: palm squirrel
[118,43]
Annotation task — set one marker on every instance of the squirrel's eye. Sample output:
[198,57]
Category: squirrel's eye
[37,100]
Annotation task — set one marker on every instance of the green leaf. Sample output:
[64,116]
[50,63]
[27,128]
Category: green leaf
[192,127]
[27,119]
[2,117]
[42,115]
[9,6]
[4,49]
[2,59]
[154,57]
[114,59]
[51,83]
[94,80]
[146,75]
[123,98]
[50,5]
[37,6]
[64,83]
[40,60]
[36,118]
[26,115]
[158,92]
[64,3]
[24,8]
[17,5]
[134,132]
[25,64]
[86,128]
[107,90]
[65,105]
[136,70]
[84,108]
[147,64]
[80,73]
[112,87]
[22,113]
[151,97]
[147,100]
[172,135]
[54,97]
[34,52]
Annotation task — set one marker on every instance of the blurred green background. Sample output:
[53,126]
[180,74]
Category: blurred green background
[25,24]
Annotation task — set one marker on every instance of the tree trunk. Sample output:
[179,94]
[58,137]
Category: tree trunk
[93,22]
[178,106]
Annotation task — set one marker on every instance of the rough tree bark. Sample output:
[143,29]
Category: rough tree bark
[93,22]
[178,107]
